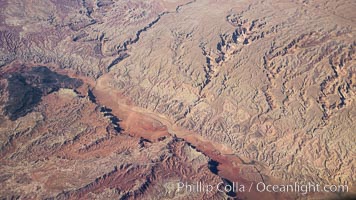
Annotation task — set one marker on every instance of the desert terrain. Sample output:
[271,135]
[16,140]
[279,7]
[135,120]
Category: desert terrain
[124,99]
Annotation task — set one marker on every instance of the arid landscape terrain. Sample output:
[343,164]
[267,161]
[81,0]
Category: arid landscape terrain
[125,99]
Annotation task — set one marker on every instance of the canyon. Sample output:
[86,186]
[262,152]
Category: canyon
[104,99]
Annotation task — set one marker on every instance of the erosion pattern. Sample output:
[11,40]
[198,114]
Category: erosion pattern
[270,84]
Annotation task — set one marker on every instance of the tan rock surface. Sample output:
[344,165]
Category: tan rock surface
[265,88]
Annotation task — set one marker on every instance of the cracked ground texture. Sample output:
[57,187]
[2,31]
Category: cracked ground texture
[267,89]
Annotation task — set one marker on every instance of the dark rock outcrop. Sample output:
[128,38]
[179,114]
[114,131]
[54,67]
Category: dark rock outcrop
[26,88]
